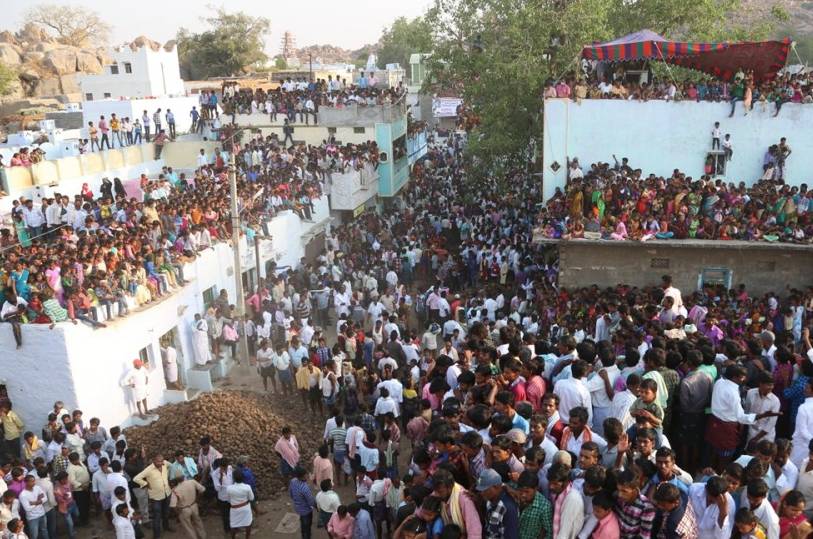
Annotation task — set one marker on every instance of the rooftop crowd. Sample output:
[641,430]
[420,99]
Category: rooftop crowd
[617,202]
[785,88]
[66,256]
[298,101]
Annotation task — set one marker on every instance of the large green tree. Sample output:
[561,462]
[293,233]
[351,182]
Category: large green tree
[498,54]
[233,42]
[403,38]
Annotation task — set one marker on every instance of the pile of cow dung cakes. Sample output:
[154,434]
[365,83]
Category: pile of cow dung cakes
[239,423]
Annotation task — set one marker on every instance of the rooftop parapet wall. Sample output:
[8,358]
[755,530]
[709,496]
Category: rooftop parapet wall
[660,136]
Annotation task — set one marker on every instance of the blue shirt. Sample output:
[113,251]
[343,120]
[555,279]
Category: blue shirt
[248,476]
[302,497]
[682,487]
[363,526]
[519,422]
[297,355]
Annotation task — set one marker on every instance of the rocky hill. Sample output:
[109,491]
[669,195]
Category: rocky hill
[45,66]
[330,54]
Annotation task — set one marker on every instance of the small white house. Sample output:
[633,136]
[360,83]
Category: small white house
[140,69]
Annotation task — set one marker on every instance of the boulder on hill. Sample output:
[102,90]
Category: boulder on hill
[10,54]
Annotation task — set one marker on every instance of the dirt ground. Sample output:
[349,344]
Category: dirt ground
[278,520]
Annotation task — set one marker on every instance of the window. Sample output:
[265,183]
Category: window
[399,150]
[88,97]
[359,130]
[128,67]
[331,130]
[249,280]
[209,296]
[114,69]
[144,355]
[715,276]
[107,95]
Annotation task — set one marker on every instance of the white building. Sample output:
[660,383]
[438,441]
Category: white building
[87,369]
[143,68]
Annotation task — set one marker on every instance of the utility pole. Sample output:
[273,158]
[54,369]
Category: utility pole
[240,302]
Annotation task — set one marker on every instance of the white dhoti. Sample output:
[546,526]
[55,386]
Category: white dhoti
[138,383]
[170,364]
[240,497]
[200,345]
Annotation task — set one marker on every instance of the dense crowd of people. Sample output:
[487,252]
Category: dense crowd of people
[67,256]
[298,101]
[56,477]
[617,202]
[465,393]
[768,95]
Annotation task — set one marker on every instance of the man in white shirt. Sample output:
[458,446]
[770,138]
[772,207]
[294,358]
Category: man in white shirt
[53,214]
[393,386]
[622,401]
[374,312]
[762,399]
[755,498]
[600,385]
[803,432]
[385,404]
[100,486]
[201,159]
[727,414]
[33,501]
[573,392]
[672,292]
[116,479]
[713,508]
[13,309]
[33,218]
[767,338]
[444,309]
[121,523]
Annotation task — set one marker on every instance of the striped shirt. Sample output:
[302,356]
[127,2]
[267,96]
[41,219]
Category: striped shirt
[302,497]
[636,518]
[338,435]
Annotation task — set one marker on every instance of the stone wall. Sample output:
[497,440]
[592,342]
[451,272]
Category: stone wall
[761,267]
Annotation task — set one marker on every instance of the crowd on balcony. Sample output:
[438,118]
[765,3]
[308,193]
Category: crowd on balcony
[299,100]
[766,95]
[617,202]
[67,255]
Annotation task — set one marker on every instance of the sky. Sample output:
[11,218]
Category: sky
[348,23]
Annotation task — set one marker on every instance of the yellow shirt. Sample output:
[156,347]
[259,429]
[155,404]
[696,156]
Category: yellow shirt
[114,124]
[155,481]
[303,376]
[12,425]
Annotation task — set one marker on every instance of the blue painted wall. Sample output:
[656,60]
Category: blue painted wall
[660,136]
[416,146]
[392,175]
